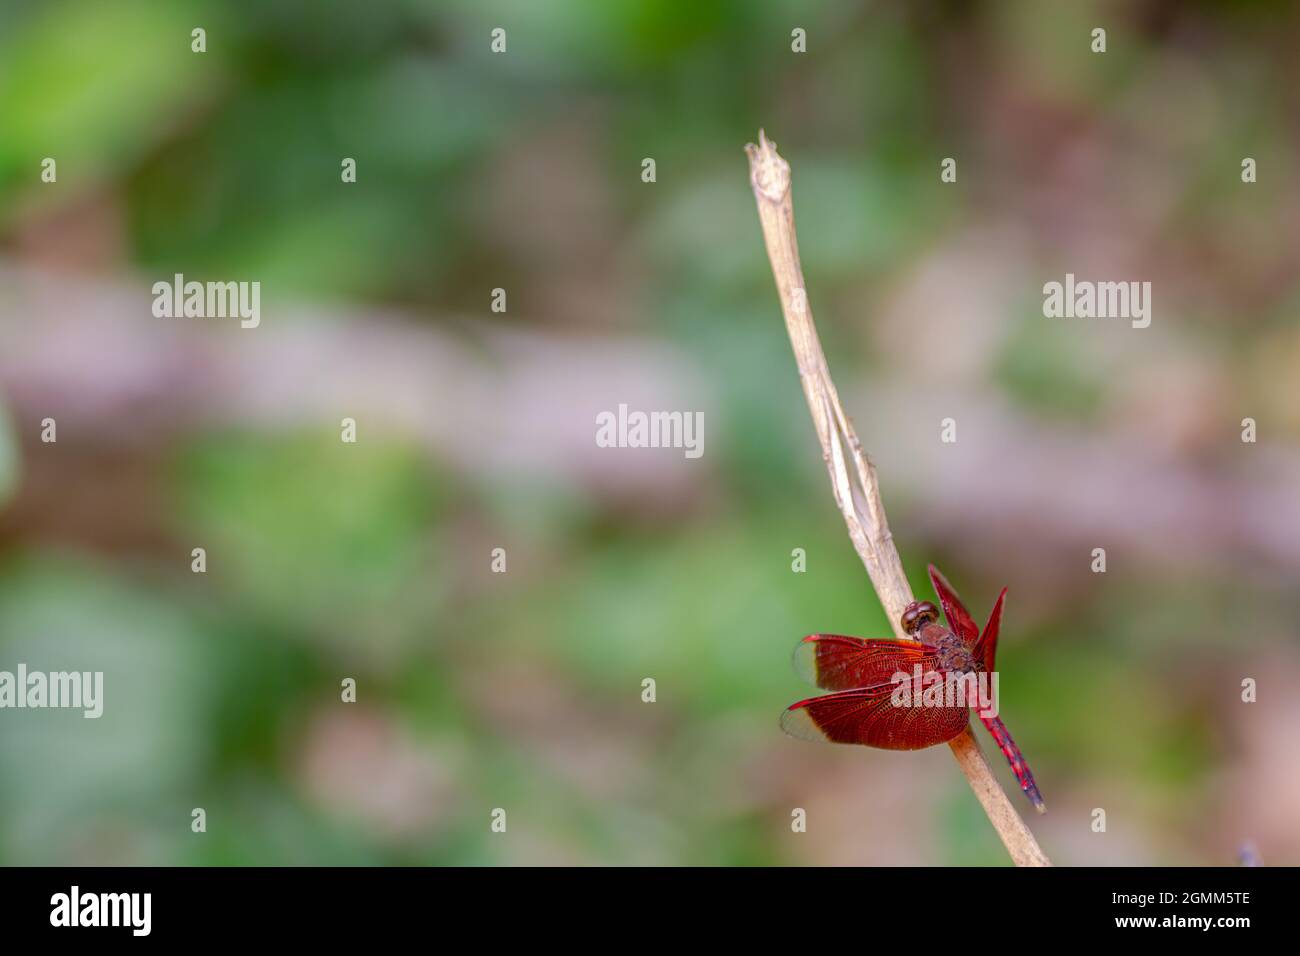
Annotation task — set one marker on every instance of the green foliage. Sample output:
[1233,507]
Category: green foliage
[332,537]
[73,788]
[72,85]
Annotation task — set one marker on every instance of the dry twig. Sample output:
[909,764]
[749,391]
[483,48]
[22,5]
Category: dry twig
[853,477]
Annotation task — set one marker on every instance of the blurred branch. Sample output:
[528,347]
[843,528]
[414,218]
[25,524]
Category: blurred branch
[853,477]
[87,350]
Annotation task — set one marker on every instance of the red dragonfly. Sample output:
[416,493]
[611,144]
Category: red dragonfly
[875,706]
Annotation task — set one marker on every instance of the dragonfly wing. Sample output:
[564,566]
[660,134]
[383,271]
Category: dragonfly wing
[987,646]
[836,662]
[870,716]
[959,620]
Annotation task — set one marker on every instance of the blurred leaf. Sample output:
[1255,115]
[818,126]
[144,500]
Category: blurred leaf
[68,781]
[1040,366]
[714,618]
[88,83]
[336,538]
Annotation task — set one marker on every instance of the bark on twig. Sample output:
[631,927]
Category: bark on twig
[853,477]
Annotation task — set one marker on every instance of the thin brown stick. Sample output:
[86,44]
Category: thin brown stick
[853,476]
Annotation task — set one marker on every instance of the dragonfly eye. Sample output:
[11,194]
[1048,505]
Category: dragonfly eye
[918,614]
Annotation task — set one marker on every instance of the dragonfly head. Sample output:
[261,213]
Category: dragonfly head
[918,614]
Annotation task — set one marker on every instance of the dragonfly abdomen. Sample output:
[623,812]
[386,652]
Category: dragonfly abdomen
[1019,767]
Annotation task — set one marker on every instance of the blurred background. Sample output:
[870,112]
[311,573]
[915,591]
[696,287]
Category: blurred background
[522,171]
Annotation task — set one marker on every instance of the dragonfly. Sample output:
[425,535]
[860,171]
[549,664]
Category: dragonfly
[885,690]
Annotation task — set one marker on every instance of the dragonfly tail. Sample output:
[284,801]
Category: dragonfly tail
[1014,757]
